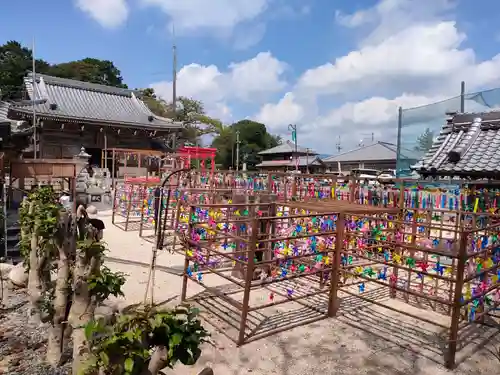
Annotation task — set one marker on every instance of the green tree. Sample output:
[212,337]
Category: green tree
[253,137]
[190,111]
[158,106]
[196,122]
[15,62]
[273,140]
[424,141]
[103,72]
[225,143]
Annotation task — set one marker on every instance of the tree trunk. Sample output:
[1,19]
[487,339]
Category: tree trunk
[82,308]
[79,314]
[34,275]
[65,246]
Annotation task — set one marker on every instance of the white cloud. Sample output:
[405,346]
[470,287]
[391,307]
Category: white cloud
[286,111]
[216,14]
[109,13]
[423,56]
[260,75]
[377,114]
[249,37]
[412,53]
[251,80]
[388,17]
[422,51]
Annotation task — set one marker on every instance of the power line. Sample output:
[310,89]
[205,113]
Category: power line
[174,71]
[33,98]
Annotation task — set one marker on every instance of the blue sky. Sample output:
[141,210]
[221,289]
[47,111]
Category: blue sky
[334,67]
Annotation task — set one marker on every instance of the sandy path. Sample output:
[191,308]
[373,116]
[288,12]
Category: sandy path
[362,340]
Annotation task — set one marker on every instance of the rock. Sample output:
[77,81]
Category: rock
[106,312]
[206,371]
[103,311]
[91,210]
[5,269]
[18,276]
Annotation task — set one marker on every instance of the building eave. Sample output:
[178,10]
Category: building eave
[28,113]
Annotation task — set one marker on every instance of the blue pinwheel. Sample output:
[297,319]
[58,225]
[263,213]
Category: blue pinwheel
[438,268]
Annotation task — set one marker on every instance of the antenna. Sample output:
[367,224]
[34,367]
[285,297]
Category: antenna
[33,98]
[337,146]
[174,71]
[367,135]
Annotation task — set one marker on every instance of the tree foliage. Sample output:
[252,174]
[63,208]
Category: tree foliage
[137,341]
[16,61]
[253,138]
[145,341]
[102,72]
[189,111]
[424,141]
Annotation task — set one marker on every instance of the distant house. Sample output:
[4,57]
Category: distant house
[379,156]
[468,146]
[284,157]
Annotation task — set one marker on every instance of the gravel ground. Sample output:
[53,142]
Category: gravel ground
[22,344]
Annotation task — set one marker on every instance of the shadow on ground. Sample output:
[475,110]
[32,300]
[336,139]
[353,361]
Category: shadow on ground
[385,341]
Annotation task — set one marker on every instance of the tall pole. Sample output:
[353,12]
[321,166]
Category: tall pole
[462,97]
[237,150]
[307,160]
[174,73]
[293,128]
[232,151]
[398,146]
[33,99]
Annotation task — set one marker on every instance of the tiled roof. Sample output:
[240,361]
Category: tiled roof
[17,127]
[303,161]
[70,100]
[374,152]
[467,146]
[4,110]
[287,148]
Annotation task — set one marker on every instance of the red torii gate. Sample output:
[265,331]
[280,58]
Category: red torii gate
[186,153]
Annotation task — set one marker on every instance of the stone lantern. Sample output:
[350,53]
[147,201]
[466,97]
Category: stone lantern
[81,161]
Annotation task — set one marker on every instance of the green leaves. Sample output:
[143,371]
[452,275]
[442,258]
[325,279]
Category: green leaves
[129,343]
[39,212]
[106,283]
[128,365]
[424,141]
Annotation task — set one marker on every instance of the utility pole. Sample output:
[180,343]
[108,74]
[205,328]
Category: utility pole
[237,150]
[174,74]
[33,98]
[232,152]
[307,159]
[293,128]
[366,135]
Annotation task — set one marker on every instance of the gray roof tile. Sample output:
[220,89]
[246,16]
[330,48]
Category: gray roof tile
[467,146]
[82,101]
[4,110]
[286,148]
[376,151]
[17,127]
[303,161]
